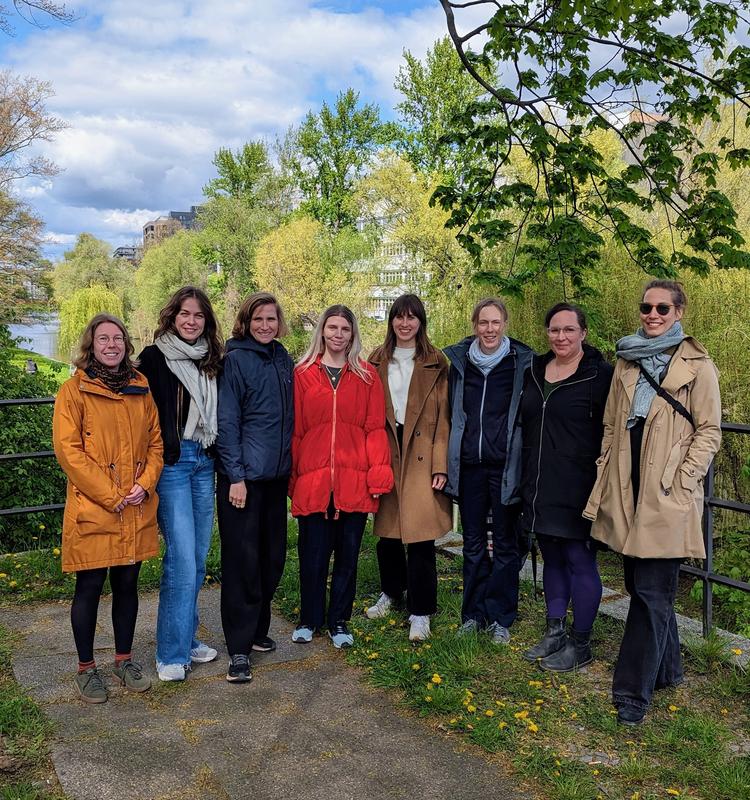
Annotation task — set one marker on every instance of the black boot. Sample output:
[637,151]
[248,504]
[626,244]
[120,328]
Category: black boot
[575,654]
[553,640]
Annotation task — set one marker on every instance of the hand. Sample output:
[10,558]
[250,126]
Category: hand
[238,494]
[135,496]
[439,479]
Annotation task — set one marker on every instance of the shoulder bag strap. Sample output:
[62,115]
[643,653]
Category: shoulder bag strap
[676,404]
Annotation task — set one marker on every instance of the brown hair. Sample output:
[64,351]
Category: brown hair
[211,332]
[558,307]
[86,347]
[484,303]
[251,304]
[408,304]
[675,288]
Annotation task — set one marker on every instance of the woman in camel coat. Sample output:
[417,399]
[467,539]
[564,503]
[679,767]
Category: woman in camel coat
[416,512]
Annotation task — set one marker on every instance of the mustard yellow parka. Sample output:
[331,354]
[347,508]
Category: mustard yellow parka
[105,442]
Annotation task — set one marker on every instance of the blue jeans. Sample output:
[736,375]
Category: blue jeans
[186,518]
[650,651]
[490,585]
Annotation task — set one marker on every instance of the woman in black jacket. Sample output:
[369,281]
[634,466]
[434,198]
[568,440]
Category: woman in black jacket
[256,420]
[561,417]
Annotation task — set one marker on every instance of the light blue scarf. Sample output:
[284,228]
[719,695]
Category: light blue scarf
[486,362]
[650,353]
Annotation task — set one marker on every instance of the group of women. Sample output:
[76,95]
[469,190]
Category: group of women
[558,446]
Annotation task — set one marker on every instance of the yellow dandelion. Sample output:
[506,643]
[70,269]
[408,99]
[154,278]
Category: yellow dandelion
[3,575]
[533,727]
[538,702]
[737,651]
[471,709]
[556,773]
[416,667]
[391,621]
[12,584]
[574,715]
[521,714]
[489,713]
[453,721]
[635,796]
[595,772]
[674,708]
[373,656]
[673,792]
[557,762]
[428,698]
[296,609]
[42,527]
[535,684]
[502,725]
[436,678]
[724,711]
[427,646]
[430,687]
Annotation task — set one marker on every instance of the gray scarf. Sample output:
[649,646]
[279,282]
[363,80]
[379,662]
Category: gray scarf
[486,362]
[650,353]
[180,356]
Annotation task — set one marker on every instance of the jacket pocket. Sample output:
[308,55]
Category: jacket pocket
[595,498]
[93,518]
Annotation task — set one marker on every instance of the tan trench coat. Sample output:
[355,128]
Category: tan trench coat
[414,511]
[105,442]
[674,461]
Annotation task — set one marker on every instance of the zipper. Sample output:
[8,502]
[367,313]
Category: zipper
[283,416]
[333,444]
[541,437]
[178,421]
[481,418]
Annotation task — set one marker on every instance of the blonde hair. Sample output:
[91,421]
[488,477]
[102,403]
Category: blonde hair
[484,303]
[86,347]
[317,345]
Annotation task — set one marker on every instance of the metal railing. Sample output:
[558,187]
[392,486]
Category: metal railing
[706,574]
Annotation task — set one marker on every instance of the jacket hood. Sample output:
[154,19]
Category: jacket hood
[248,343]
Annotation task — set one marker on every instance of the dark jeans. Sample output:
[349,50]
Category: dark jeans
[650,651]
[490,585]
[83,612]
[253,552]
[320,535]
[412,571]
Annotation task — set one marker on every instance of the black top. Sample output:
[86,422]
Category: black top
[562,438]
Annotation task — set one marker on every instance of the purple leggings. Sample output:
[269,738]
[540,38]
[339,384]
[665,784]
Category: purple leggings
[570,573]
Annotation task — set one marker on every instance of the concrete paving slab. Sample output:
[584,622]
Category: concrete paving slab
[306,727]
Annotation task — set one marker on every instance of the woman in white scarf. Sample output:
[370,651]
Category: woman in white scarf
[181,367]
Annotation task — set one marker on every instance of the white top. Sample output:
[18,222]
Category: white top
[400,369]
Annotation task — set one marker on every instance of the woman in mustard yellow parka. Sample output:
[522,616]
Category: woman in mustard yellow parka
[107,439]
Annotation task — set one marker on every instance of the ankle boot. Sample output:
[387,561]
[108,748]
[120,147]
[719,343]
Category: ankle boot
[552,641]
[575,654]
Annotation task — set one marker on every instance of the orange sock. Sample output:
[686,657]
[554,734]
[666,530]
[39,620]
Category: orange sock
[84,665]
[120,657]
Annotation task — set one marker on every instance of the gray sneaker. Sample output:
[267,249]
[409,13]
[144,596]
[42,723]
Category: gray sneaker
[131,676]
[499,633]
[91,687]
[469,627]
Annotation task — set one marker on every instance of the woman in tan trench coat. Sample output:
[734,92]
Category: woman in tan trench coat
[647,501]
[415,513]
[106,436]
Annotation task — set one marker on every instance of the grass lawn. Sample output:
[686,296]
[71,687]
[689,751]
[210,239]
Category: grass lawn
[557,733]
[57,370]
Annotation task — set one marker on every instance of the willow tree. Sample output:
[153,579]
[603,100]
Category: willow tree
[652,73]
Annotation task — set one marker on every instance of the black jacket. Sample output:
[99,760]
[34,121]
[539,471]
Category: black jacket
[256,411]
[561,441]
[165,386]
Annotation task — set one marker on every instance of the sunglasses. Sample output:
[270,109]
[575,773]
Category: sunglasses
[662,309]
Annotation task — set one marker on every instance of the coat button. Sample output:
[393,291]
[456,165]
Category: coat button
[420,458]
[417,433]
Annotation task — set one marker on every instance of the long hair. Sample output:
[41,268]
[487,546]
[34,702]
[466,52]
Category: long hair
[317,345]
[86,347]
[211,332]
[249,307]
[411,305]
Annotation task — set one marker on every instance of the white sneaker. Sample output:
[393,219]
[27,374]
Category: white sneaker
[202,654]
[302,634]
[171,672]
[381,608]
[420,628]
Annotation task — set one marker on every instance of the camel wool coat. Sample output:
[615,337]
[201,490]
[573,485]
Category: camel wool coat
[666,523]
[105,442]
[414,511]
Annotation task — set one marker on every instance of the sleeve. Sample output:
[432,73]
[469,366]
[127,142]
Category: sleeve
[379,473]
[298,431]
[705,406]
[443,425]
[155,454]
[610,410]
[232,389]
[67,439]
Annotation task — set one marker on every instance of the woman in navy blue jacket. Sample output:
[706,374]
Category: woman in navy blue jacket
[256,420]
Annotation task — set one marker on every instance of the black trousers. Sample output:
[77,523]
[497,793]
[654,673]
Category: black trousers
[83,611]
[253,553]
[411,569]
[320,535]
[650,651]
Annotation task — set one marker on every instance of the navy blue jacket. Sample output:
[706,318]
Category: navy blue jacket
[256,411]
[458,356]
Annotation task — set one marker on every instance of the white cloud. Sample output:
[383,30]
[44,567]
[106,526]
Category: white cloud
[152,89]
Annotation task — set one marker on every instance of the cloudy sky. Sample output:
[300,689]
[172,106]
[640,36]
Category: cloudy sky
[150,90]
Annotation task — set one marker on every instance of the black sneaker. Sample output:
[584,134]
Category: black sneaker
[239,669]
[264,645]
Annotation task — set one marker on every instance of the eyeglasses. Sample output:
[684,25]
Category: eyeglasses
[104,340]
[569,331]
[662,309]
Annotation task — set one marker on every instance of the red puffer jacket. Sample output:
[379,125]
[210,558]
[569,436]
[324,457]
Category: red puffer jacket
[339,444]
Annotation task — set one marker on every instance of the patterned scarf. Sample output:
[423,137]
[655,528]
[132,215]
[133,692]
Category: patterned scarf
[114,380]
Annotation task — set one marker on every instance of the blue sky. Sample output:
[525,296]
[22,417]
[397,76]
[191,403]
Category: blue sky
[151,89]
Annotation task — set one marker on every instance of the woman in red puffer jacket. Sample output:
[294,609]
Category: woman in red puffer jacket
[340,467]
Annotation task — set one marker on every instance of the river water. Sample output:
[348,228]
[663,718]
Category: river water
[41,335]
